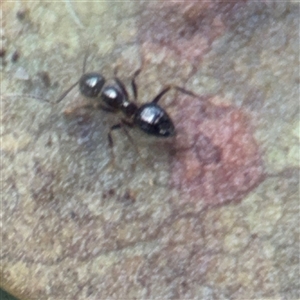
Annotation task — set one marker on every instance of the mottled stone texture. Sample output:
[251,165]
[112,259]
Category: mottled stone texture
[212,213]
[218,159]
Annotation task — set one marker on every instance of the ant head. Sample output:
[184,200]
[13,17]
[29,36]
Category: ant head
[153,120]
[91,84]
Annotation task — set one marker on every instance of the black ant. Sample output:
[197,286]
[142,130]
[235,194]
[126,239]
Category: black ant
[113,97]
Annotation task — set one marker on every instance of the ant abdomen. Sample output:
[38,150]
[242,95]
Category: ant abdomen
[154,120]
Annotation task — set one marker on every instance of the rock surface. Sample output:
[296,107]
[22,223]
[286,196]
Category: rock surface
[210,214]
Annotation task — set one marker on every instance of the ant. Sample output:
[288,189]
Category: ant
[113,97]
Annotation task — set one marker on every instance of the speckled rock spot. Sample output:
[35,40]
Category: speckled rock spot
[217,159]
[185,29]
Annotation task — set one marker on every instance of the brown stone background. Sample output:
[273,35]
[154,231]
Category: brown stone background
[210,214]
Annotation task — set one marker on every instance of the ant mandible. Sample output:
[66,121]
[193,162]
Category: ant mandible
[150,117]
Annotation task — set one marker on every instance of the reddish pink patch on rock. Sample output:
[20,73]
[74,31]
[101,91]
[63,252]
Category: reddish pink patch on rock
[184,29]
[217,158]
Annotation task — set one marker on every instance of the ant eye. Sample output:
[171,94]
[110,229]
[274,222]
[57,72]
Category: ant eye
[113,97]
[91,84]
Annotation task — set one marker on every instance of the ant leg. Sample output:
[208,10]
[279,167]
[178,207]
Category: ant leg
[122,125]
[111,143]
[158,97]
[75,110]
[125,124]
[184,91]
[178,88]
[90,106]
[133,84]
[135,75]
[122,86]
[120,83]
[105,108]
[110,140]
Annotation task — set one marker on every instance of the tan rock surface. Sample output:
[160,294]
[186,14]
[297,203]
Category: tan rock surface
[211,214]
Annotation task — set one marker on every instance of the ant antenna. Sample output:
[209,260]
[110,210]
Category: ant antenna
[26,96]
[85,59]
[65,93]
